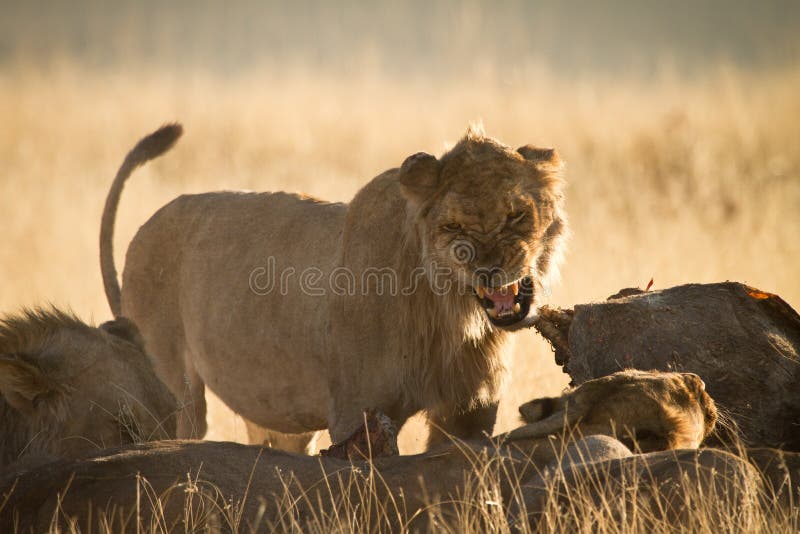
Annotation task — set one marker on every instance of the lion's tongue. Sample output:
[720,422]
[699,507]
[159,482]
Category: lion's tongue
[503,299]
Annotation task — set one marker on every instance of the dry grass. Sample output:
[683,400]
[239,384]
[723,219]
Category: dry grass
[729,497]
[672,179]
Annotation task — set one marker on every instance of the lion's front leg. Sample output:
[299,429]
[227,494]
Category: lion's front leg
[348,413]
[461,423]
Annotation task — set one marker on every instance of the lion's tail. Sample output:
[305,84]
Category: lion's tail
[148,148]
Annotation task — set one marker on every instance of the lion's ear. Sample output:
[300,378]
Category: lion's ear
[419,177]
[21,382]
[545,158]
[126,329]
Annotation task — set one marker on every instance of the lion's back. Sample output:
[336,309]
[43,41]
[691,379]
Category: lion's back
[194,235]
[219,274]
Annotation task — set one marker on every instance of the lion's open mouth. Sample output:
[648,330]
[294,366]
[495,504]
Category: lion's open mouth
[508,304]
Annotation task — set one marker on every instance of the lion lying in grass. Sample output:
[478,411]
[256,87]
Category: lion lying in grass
[67,388]
[301,313]
[244,485]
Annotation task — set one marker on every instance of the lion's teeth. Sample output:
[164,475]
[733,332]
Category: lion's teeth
[517,307]
[479,291]
[492,313]
[515,288]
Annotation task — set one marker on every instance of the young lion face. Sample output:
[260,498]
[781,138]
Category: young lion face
[646,410]
[492,222]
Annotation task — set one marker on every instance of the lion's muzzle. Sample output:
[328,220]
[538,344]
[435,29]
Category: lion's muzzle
[506,305]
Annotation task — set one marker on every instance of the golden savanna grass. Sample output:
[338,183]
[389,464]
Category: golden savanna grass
[731,500]
[675,179]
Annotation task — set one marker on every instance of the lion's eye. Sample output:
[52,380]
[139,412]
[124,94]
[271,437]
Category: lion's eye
[515,216]
[452,227]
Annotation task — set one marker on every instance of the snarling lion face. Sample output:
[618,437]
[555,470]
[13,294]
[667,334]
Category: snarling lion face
[491,221]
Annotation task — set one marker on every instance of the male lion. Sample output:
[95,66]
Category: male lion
[300,313]
[252,481]
[67,388]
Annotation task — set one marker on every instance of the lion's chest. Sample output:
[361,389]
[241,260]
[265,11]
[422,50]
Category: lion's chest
[456,374]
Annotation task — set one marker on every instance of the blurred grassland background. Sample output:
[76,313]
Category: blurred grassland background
[679,123]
